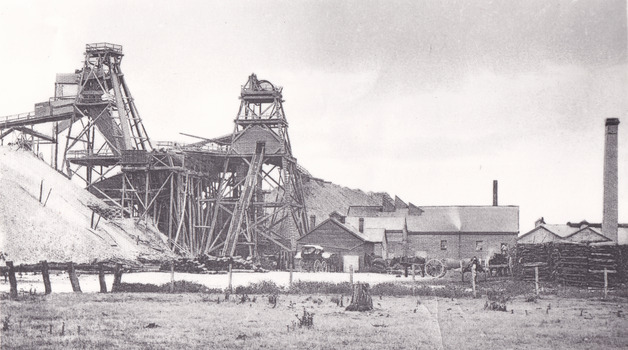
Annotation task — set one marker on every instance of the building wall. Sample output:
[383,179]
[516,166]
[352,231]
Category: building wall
[541,235]
[335,239]
[586,235]
[458,245]
[395,244]
[247,143]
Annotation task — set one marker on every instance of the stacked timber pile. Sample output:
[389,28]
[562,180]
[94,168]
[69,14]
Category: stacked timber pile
[571,263]
[603,257]
[210,264]
[531,256]
[622,263]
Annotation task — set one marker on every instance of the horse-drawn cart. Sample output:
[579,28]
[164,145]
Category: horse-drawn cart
[313,258]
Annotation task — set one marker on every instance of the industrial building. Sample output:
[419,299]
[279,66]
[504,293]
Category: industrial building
[578,232]
[395,229]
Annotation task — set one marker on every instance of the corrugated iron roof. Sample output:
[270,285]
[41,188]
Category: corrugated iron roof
[375,235]
[390,223]
[570,229]
[465,219]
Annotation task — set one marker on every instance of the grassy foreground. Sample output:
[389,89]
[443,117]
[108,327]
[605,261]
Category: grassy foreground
[191,321]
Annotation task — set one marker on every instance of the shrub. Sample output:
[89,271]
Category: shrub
[264,287]
[179,287]
[301,287]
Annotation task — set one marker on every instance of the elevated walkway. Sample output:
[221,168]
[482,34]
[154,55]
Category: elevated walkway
[45,112]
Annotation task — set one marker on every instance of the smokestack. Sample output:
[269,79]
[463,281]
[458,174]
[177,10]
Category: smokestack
[609,220]
[494,193]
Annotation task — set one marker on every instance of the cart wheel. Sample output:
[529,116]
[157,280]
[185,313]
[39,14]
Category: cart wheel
[317,266]
[324,266]
[298,265]
[435,268]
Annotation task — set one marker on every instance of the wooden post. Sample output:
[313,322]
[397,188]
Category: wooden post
[230,287]
[46,275]
[117,278]
[172,277]
[536,279]
[12,280]
[605,283]
[473,274]
[101,278]
[413,274]
[461,271]
[76,287]
[351,274]
[291,263]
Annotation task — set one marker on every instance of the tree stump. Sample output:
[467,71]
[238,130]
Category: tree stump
[361,299]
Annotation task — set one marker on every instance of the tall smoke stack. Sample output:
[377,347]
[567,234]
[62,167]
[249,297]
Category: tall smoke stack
[494,193]
[609,220]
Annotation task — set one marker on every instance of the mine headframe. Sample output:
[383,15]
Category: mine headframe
[91,120]
[260,199]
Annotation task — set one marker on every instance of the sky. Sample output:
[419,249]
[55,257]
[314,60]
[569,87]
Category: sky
[427,100]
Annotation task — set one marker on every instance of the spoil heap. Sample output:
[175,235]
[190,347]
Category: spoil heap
[63,229]
[323,197]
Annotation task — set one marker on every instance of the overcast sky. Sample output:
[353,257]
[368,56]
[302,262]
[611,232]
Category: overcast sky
[427,100]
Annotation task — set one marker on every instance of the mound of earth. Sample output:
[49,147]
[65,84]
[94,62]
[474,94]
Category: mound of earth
[61,230]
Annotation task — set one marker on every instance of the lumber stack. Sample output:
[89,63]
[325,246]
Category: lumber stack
[603,257]
[531,256]
[571,263]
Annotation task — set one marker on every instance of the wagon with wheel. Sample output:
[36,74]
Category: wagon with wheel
[439,267]
[313,258]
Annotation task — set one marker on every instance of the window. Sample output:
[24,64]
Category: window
[361,225]
[443,245]
[479,246]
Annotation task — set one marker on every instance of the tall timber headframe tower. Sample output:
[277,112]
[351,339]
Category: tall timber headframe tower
[234,195]
[260,188]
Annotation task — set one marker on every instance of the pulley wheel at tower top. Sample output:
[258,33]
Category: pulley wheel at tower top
[266,85]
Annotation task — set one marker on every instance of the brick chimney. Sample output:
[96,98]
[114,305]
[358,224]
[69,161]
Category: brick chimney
[610,215]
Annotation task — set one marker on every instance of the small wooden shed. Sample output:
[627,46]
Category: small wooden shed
[335,236]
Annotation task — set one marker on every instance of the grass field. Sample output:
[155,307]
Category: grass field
[191,321]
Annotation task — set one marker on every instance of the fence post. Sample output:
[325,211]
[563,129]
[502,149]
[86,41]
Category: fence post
[12,280]
[101,278]
[46,275]
[461,271]
[351,274]
[291,264]
[605,283]
[74,281]
[117,278]
[230,286]
[473,274]
[413,274]
[536,279]
[172,276]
